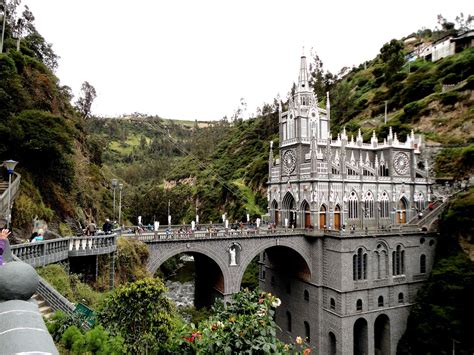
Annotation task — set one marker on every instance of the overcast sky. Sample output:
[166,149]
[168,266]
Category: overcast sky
[196,59]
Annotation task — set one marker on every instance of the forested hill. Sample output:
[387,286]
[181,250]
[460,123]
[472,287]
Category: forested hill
[58,160]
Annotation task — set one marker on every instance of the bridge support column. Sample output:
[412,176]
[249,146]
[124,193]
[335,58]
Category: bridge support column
[112,271]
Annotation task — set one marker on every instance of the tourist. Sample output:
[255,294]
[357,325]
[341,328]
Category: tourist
[91,229]
[107,227]
[39,237]
[420,215]
[4,233]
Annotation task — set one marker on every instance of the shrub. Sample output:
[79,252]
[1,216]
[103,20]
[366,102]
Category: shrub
[449,98]
[141,313]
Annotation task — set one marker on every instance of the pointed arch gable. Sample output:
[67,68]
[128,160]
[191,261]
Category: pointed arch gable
[288,201]
[305,206]
[274,204]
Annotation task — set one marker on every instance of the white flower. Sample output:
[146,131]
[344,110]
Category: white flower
[276,303]
[261,312]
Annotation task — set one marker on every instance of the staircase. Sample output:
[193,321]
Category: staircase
[45,310]
[4,195]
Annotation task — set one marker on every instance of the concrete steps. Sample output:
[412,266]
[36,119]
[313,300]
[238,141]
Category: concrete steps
[45,310]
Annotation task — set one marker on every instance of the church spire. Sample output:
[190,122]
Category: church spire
[303,82]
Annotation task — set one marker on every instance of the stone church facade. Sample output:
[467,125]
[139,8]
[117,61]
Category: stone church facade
[365,270]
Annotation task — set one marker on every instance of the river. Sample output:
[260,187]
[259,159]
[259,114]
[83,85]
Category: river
[181,283]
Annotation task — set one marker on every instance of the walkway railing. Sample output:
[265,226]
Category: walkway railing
[54,250]
[4,196]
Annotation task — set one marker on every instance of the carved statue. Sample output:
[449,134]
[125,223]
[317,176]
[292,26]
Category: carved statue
[232,253]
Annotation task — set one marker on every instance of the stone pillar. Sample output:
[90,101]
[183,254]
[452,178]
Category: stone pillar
[112,271]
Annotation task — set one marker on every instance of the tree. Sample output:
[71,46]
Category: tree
[320,81]
[464,24]
[84,103]
[245,326]
[392,56]
[142,314]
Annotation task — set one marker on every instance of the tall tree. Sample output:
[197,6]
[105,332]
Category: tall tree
[392,56]
[84,103]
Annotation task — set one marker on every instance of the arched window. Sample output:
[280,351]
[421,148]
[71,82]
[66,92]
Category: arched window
[423,264]
[384,205]
[306,295]
[353,205]
[288,321]
[382,260]
[359,265]
[380,301]
[307,332]
[398,261]
[400,298]
[332,303]
[369,205]
[359,305]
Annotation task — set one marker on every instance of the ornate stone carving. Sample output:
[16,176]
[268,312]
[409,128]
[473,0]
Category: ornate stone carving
[289,161]
[401,163]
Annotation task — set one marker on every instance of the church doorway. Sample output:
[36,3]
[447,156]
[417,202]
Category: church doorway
[306,214]
[289,210]
[337,217]
[361,344]
[382,335]
[402,211]
[322,217]
[275,213]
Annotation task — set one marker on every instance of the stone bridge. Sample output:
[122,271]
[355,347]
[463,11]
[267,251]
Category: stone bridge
[221,258]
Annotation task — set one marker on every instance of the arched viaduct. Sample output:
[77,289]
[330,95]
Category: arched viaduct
[229,273]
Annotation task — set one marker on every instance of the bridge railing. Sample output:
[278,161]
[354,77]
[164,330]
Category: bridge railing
[222,233]
[50,251]
[43,252]
[103,244]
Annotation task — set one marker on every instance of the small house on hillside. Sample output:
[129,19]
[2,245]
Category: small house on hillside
[464,41]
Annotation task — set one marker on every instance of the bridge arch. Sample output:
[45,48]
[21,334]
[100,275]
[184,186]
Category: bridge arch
[304,266]
[208,262]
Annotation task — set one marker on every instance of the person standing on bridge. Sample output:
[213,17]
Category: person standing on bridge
[107,227]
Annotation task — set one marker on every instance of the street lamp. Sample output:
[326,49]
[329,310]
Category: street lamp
[10,165]
[3,18]
[120,205]
[114,186]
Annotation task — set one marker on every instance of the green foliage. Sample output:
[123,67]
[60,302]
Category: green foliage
[69,286]
[443,311]
[95,341]
[444,305]
[455,162]
[250,277]
[131,259]
[392,56]
[246,325]
[141,313]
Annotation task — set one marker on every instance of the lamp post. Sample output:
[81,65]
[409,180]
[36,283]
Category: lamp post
[120,205]
[3,17]
[114,186]
[10,165]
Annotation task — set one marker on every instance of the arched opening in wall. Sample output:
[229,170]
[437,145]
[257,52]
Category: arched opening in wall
[289,210]
[332,344]
[307,332]
[275,213]
[306,214]
[193,279]
[287,276]
[361,343]
[337,217]
[322,217]
[402,211]
[382,335]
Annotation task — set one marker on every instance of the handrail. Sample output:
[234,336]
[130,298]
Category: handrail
[14,190]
